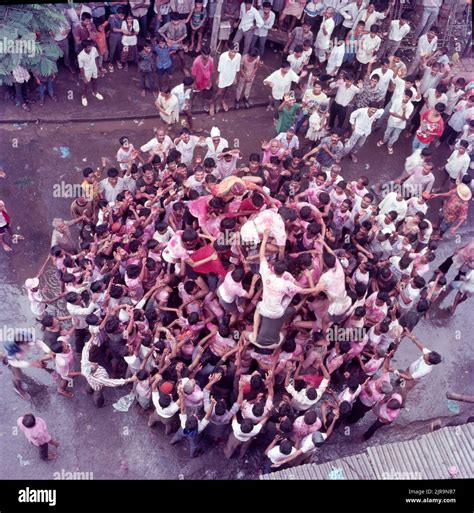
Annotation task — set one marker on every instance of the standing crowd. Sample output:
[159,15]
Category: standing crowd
[261,300]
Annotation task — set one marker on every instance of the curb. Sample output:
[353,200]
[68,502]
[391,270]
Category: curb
[106,119]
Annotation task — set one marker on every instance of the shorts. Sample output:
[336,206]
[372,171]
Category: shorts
[164,71]
[3,229]
[228,307]
[89,74]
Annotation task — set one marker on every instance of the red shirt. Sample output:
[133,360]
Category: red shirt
[428,130]
[248,206]
[214,266]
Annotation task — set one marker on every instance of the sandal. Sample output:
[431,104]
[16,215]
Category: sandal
[111,68]
[119,65]
[380,143]
[390,150]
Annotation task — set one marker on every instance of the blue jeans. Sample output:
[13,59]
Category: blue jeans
[299,121]
[429,16]
[165,18]
[46,86]
[260,41]
[417,144]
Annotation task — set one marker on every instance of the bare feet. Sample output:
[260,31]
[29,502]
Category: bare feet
[6,247]
[65,393]
[52,457]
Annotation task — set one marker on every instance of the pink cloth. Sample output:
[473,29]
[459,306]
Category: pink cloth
[38,434]
[202,73]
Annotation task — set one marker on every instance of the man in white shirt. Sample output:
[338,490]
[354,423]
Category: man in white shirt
[366,53]
[215,144]
[350,12]
[399,113]
[249,19]
[165,408]
[385,75]
[419,368]
[346,90]
[191,426]
[429,16]
[261,33]
[243,433]
[398,30]
[426,47]
[280,81]
[393,202]
[113,185]
[88,61]
[309,396]
[361,121]
[186,143]
[160,145]
[323,39]
[458,164]
[229,66]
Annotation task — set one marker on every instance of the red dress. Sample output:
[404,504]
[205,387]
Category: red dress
[202,73]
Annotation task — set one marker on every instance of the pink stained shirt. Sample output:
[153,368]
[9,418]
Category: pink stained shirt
[174,250]
[386,414]
[65,363]
[267,154]
[202,73]
[301,429]
[38,434]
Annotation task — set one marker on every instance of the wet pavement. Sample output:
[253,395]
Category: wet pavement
[110,444]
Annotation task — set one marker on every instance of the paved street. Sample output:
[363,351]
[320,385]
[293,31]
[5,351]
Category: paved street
[112,444]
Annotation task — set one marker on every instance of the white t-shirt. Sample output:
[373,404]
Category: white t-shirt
[400,108]
[419,368]
[307,443]
[384,79]
[86,61]
[458,165]
[228,69]
[300,400]
[245,437]
[281,84]
[277,292]
[275,456]
[187,149]
[366,48]
[323,40]
[397,33]
[230,289]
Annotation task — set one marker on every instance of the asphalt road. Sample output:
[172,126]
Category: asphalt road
[113,444]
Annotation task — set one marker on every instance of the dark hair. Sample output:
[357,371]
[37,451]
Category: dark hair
[311,393]
[286,446]
[28,420]
[256,382]
[310,417]
[434,358]
[246,426]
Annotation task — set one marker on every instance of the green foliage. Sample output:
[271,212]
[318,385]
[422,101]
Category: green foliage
[21,25]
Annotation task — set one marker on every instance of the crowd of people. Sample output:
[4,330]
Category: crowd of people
[263,299]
